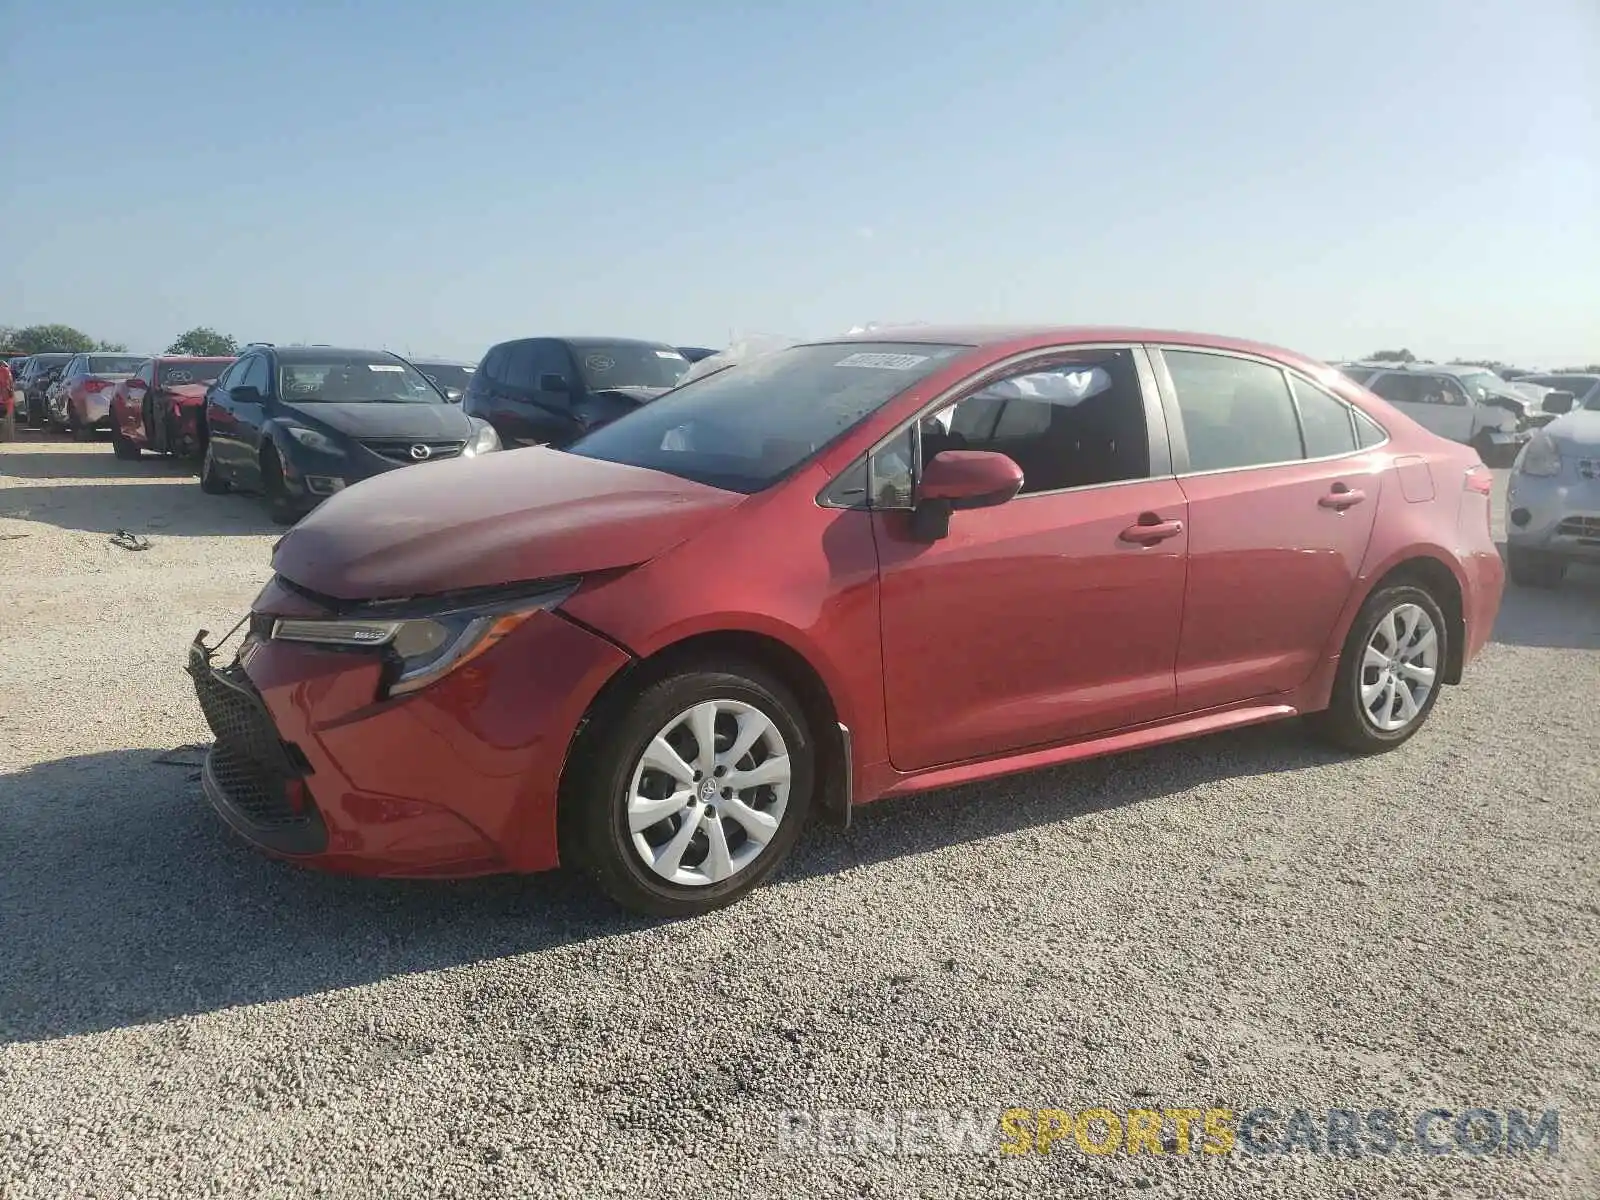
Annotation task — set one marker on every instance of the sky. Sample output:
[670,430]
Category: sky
[1338,178]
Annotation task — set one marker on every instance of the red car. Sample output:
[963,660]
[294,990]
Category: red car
[158,407]
[842,571]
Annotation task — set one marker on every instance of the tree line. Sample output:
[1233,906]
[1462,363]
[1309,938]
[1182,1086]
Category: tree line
[1405,356]
[202,340]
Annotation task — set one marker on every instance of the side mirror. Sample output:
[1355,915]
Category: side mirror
[453,395]
[1558,402]
[246,393]
[553,383]
[961,479]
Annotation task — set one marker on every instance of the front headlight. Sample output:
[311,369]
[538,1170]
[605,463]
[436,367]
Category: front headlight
[1541,456]
[312,440]
[483,440]
[422,649]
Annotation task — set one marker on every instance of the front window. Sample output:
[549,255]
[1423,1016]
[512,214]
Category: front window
[114,364]
[610,366]
[173,374]
[747,427]
[354,379]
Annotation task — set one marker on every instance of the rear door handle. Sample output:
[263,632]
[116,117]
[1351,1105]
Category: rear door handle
[1151,529]
[1341,498]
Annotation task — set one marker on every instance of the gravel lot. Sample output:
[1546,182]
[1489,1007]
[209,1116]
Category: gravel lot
[1236,921]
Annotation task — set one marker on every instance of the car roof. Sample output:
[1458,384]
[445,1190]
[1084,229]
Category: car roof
[1024,337]
[294,354]
[166,358]
[443,362]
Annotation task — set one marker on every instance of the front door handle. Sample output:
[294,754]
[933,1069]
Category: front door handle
[1342,497]
[1151,529]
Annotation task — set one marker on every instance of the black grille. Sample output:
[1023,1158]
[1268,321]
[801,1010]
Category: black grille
[1585,529]
[400,449]
[249,762]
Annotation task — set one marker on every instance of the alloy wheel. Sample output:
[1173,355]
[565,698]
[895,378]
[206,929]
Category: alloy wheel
[708,794]
[1400,667]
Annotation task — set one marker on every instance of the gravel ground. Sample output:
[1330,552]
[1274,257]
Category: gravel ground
[1238,921]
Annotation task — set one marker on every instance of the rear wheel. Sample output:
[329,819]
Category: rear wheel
[279,506]
[1390,672]
[211,481]
[1533,568]
[694,792]
[122,447]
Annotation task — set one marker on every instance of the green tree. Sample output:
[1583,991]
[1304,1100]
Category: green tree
[52,339]
[1402,356]
[205,342]
[113,347]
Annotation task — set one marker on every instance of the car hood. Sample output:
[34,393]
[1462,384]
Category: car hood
[1578,428]
[422,421]
[511,517]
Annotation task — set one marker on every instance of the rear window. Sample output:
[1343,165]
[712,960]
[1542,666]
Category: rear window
[114,364]
[193,372]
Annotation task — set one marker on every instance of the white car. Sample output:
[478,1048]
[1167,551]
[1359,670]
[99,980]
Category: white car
[1471,405]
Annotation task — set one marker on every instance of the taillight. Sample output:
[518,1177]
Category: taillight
[96,385]
[1479,480]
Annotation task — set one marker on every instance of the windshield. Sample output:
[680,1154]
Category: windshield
[203,371]
[448,375]
[1486,381]
[745,428]
[114,364]
[609,366]
[354,379]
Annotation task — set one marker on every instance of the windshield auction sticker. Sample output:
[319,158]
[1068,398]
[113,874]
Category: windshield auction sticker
[884,362]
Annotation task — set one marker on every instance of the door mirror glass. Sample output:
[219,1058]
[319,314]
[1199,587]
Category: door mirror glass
[246,393]
[1558,402]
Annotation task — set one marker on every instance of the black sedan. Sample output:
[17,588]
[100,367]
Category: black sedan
[550,391]
[298,424]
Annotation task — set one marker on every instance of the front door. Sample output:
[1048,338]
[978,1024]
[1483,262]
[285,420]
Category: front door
[1281,507]
[1054,616]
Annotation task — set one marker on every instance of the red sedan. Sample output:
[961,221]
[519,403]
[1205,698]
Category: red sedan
[157,407]
[842,571]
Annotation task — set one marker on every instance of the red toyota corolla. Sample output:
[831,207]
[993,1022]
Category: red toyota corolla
[842,571]
[158,407]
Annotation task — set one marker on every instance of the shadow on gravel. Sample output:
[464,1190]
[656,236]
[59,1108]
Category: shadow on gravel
[1563,618]
[91,462]
[175,509]
[123,900]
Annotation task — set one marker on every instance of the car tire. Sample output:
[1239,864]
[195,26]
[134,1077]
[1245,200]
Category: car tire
[1534,568]
[614,776]
[123,448]
[211,481]
[279,507]
[1367,712]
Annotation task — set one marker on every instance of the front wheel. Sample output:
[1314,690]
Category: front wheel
[693,793]
[211,481]
[124,449]
[1389,672]
[279,507]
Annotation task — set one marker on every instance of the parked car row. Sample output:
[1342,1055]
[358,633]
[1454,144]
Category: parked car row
[841,570]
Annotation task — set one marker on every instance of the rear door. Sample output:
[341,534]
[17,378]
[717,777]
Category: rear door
[1281,505]
[1054,616]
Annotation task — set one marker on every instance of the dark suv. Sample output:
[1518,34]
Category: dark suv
[42,370]
[547,391]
